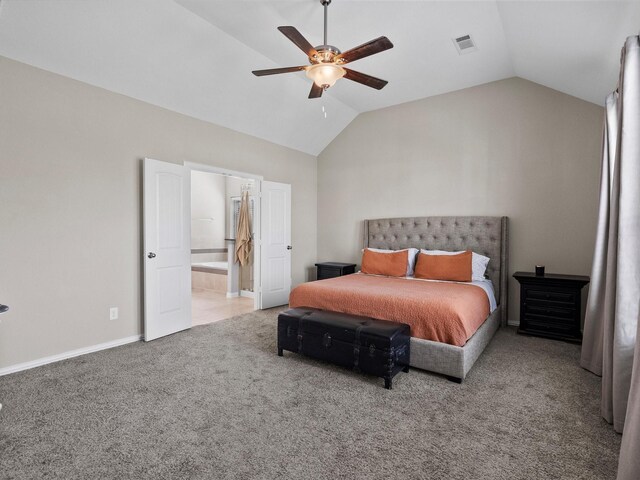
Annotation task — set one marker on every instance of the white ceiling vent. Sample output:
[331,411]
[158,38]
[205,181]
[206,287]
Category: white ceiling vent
[465,44]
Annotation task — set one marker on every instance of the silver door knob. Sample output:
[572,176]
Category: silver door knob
[151,255]
[289,247]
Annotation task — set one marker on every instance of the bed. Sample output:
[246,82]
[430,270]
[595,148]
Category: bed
[462,324]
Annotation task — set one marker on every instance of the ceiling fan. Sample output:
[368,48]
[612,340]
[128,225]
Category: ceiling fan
[327,61]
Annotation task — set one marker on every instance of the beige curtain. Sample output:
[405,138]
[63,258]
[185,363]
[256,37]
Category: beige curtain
[629,248]
[611,322]
[629,462]
[599,314]
[605,343]
[243,233]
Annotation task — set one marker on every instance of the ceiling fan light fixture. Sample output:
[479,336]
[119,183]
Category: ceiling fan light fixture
[325,74]
[326,60]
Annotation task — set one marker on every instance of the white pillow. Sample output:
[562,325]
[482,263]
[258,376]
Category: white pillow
[413,252]
[478,262]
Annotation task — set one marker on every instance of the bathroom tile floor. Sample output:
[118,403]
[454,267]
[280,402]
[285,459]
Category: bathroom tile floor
[208,306]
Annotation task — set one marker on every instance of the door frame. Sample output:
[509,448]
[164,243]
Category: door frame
[257,279]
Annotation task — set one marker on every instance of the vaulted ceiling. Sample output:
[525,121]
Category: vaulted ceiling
[196,56]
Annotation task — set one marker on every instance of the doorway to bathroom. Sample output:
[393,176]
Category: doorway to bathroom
[223,233]
[171,255]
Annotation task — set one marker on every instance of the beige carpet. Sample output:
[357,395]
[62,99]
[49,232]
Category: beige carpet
[216,402]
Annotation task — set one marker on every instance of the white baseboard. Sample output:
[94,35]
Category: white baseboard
[232,294]
[513,323]
[70,354]
[247,293]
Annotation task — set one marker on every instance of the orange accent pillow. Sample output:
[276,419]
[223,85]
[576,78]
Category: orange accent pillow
[456,268]
[389,264]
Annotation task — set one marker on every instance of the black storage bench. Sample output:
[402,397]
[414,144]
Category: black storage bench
[377,347]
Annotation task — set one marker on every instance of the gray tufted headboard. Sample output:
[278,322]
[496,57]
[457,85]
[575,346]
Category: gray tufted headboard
[485,235]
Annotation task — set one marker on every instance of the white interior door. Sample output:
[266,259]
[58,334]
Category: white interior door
[167,248]
[275,223]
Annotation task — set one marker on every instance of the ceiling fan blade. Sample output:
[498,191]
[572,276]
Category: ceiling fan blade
[296,37]
[274,71]
[365,79]
[316,91]
[374,46]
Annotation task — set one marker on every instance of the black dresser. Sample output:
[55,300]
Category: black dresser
[551,305]
[334,269]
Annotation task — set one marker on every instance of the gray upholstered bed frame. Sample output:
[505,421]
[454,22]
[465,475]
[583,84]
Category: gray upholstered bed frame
[485,235]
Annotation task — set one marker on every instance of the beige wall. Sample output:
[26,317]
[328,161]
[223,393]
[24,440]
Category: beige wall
[510,147]
[208,215]
[70,194]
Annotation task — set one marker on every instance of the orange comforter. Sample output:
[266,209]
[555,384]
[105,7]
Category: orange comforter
[438,311]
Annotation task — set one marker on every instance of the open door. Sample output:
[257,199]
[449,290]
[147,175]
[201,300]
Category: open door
[167,248]
[275,255]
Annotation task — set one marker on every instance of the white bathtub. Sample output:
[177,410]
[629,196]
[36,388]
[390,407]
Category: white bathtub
[212,266]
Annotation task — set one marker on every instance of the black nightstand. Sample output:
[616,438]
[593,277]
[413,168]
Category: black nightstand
[334,269]
[551,305]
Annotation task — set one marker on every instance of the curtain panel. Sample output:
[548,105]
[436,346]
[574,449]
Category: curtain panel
[611,323]
[628,157]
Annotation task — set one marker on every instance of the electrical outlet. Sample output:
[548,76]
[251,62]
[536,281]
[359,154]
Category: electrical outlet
[113,313]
